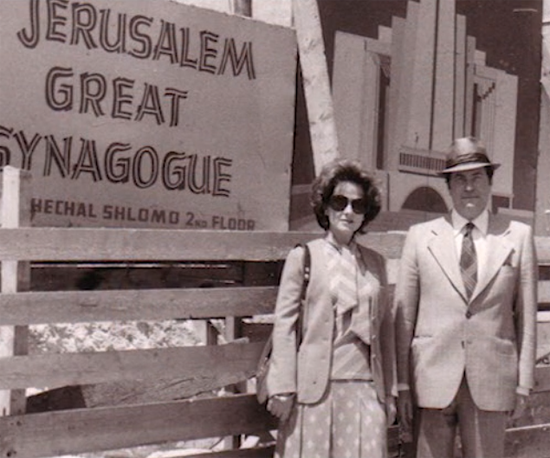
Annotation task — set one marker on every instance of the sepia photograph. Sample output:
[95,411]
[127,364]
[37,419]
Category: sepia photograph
[275,228]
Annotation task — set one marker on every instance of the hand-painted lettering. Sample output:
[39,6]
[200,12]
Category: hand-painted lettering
[232,224]
[118,162]
[62,208]
[96,95]
[82,24]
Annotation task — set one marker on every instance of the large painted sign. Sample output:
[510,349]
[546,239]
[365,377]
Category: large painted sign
[147,113]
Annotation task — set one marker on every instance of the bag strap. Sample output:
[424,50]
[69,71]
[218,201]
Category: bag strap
[307,268]
[305,283]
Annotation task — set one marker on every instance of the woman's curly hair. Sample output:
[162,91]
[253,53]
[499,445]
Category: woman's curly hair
[344,170]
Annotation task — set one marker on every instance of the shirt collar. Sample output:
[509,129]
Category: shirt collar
[481,222]
[333,244]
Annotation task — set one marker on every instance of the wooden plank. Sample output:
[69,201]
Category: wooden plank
[78,244]
[129,392]
[16,197]
[544,291]
[138,305]
[388,244]
[233,331]
[543,338]
[125,392]
[256,452]
[542,379]
[242,7]
[544,270]
[528,442]
[503,136]
[86,430]
[60,276]
[542,245]
[56,370]
[311,47]
[395,445]
[542,193]
[278,13]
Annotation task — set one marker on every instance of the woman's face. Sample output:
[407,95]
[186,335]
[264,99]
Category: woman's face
[346,210]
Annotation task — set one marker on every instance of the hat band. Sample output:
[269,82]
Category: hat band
[468,157]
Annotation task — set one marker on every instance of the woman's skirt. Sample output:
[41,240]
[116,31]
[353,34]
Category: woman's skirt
[348,422]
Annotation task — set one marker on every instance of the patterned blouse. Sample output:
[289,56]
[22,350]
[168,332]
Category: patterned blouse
[350,294]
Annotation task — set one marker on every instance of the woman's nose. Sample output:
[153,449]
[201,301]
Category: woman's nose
[349,208]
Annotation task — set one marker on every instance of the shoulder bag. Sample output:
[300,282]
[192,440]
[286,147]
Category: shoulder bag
[263,364]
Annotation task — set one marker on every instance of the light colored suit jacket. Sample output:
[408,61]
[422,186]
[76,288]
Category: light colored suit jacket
[307,372]
[441,335]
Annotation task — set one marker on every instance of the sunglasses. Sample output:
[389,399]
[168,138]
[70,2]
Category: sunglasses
[339,203]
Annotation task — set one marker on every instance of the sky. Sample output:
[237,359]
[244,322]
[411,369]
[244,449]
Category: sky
[272,11]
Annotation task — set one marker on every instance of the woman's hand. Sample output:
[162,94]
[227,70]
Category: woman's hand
[281,405]
[405,411]
[391,410]
[519,409]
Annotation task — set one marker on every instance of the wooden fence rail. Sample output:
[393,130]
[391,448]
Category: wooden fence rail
[187,380]
[81,430]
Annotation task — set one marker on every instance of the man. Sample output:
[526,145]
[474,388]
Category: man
[466,317]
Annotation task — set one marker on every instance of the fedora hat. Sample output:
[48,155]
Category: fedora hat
[466,153]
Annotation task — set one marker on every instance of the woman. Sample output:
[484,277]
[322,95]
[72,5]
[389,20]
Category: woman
[334,396]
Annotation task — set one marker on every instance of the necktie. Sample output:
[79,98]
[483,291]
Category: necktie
[468,261]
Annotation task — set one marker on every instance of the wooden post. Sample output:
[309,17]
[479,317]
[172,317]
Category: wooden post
[16,212]
[279,12]
[317,90]
[211,334]
[233,331]
[542,209]
[242,7]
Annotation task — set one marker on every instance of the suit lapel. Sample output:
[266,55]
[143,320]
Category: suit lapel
[498,250]
[442,247]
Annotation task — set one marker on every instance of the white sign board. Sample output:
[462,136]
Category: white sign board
[147,113]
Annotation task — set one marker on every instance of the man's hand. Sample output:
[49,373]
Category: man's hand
[280,405]
[521,404]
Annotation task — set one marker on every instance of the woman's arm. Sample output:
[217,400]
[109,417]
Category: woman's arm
[281,378]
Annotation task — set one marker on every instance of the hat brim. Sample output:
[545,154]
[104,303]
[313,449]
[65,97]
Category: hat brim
[467,166]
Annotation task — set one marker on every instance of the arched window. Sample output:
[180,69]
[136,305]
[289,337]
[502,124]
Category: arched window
[425,199]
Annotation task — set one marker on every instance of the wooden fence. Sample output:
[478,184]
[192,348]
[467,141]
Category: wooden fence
[185,403]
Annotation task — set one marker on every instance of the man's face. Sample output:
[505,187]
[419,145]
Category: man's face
[470,191]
